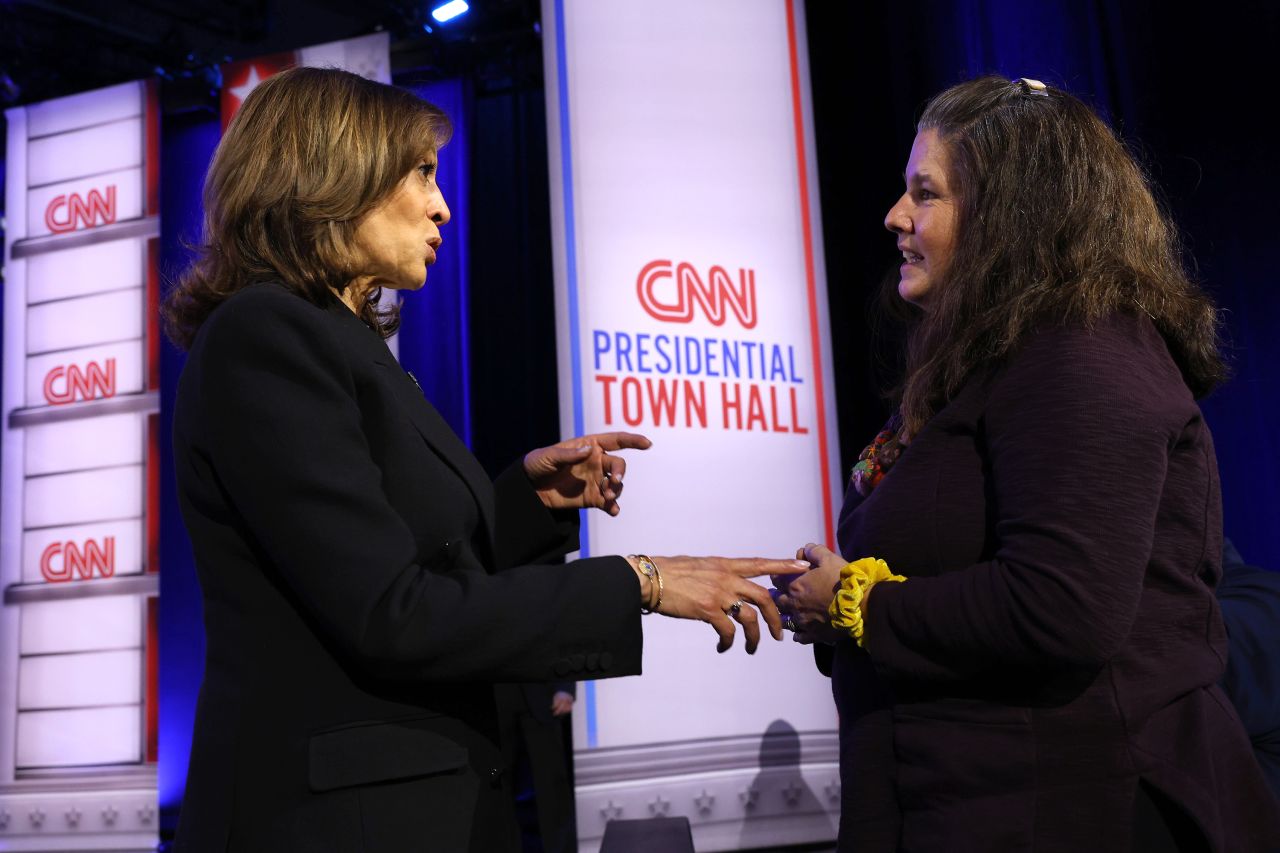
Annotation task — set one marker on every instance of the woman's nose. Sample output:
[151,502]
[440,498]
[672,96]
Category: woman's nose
[440,210]
[897,220]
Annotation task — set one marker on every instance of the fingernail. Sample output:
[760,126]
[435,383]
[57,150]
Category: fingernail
[804,564]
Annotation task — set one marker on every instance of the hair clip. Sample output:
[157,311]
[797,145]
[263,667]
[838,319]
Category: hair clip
[1032,87]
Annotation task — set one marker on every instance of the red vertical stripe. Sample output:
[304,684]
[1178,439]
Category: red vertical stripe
[152,704]
[153,493]
[152,324]
[807,226]
[152,120]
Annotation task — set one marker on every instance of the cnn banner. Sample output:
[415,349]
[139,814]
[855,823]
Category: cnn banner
[691,307]
[79,477]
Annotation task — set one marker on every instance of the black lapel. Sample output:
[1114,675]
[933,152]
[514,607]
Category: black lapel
[433,428]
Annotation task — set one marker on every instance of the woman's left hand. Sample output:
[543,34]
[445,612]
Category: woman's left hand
[806,598]
[580,473]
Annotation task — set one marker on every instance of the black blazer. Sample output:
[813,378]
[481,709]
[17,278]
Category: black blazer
[348,548]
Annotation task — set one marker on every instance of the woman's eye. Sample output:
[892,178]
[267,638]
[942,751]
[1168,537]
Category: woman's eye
[427,170]
[925,195]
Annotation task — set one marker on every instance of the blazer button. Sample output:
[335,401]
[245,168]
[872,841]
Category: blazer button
[495,777]
[606,661]
[576,662]
[562,667]
[593,662]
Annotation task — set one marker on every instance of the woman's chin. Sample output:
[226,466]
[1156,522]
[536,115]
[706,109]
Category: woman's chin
[913,290]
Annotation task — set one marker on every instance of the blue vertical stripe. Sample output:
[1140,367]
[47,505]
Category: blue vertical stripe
[571,272]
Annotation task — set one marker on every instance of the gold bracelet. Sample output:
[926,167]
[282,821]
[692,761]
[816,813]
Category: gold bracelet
[650,570]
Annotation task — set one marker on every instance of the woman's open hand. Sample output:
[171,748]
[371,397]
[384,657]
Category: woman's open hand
[715,590]
[580,473]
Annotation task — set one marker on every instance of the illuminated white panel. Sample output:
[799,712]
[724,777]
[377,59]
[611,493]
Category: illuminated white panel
[90,151]
[56,373]
[80,680]
[48,546]
[85,320]
[81,736]
[85,443]
[55,200]
[87,108]
[634,84]
[81,625]
[83,496]
[369,56]
[85,269]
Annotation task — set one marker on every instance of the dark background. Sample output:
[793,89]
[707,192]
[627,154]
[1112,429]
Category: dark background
[1189,91]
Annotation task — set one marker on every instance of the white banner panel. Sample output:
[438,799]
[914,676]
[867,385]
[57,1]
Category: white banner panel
[85,680]
[369,56]
[79,737]
[82,270]
[88,373]
[86,320]
[75,445]
[82,625]
[82,552]
[77,551]
[85,152]
[85,109]
[101,495]
[692,308]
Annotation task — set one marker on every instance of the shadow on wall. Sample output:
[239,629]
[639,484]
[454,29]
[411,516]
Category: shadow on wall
[779,788]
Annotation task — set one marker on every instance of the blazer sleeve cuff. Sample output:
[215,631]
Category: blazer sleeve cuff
[527,532]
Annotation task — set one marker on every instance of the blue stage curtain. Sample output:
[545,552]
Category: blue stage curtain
[187,143]
[434,335]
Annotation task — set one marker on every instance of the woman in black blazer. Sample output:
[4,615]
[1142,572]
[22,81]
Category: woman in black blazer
[364,582]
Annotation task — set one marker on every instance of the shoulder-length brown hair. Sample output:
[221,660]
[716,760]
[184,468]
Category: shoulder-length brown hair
[1055,223]
[311,152]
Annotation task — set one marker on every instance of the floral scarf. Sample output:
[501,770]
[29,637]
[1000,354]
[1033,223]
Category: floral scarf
[880,455]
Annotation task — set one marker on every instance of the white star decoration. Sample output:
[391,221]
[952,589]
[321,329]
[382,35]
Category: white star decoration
[242,91]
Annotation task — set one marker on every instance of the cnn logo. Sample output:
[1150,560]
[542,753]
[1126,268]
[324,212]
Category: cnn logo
[62,561]
[717,296]
[68,383]
[69,212]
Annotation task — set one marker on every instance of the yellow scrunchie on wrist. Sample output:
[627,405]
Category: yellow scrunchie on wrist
[855,579]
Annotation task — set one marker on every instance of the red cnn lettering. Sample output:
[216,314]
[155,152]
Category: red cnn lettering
[80,212]
[713,296]
[66,384]
[77,560]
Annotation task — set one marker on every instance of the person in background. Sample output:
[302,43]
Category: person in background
[1250,601]
[1026,648]
[364,583]
[535,734]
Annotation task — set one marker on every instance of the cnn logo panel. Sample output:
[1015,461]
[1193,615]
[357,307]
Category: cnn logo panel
[85,204]
[82,375]
[82,552]
[670,292]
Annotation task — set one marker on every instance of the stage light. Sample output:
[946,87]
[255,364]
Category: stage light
[449,11]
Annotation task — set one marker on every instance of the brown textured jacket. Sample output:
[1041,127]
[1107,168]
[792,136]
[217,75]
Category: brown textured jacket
[1057,638]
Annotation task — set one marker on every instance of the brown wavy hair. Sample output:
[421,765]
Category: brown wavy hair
[1056,223]
[309,154]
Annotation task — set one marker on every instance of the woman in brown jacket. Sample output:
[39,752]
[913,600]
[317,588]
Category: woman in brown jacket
[1034,663]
